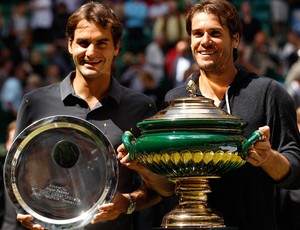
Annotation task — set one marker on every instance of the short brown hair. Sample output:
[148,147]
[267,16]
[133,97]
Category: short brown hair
[99,13]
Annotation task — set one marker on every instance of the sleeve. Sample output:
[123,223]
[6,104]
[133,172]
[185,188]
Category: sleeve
[285,138]
[23,115]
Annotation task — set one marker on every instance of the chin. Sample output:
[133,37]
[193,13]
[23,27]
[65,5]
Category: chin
[89,73]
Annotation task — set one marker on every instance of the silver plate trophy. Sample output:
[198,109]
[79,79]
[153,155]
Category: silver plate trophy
[60,169]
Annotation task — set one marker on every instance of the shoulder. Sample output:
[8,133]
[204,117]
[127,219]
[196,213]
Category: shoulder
[176,93]
[133,96]
[130,98]
[135,105]
[249,87]
[246,79]
[44,91]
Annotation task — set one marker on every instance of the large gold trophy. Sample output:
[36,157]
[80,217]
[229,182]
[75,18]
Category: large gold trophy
[191,142]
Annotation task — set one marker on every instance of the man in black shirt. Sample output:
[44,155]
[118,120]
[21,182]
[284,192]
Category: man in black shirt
[92,93]
[244,196]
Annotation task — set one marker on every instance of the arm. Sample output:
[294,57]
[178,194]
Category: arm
[143,197]
[154,181]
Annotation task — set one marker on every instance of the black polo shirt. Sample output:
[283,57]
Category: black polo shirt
[120,110]
[117,112]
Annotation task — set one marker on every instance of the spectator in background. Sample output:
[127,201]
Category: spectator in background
[155,58]
[12,91]
[292,81]
[135,18]
[60,19]
[139,76]
[6,64]
[250,24]
[25,47]
[52,74]
[159,8]
[118,8]
[10,132]
[289,50]
[41,20]
[3,25]
[279,18]
[259,57]
[131,75]
[171,25]
[37,61]
[71,5]
[182,62]
[8,216]
[55,55]
[33,81]
[19,22]
[9,220]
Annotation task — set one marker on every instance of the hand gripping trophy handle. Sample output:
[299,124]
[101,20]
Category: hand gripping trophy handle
[128,139]
[255,137]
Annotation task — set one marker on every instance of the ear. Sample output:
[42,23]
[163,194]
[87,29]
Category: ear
[236,40]
[70,46]
[117,49]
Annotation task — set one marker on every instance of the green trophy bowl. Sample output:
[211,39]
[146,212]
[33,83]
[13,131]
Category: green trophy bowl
[190,142]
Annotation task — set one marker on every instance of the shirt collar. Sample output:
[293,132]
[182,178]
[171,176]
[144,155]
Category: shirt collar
[66,87]
[115,89]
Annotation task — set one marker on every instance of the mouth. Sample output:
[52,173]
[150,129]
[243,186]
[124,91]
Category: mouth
[91,62]
[206,52]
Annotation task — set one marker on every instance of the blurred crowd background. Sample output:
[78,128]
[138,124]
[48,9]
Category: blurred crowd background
[155,52]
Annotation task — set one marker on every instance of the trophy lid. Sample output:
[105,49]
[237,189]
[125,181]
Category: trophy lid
[60,169]
[193,112]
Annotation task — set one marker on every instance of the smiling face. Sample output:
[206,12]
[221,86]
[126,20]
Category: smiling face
[211,43]
[92,50]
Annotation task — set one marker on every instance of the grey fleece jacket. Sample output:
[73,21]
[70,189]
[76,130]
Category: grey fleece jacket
[245,197]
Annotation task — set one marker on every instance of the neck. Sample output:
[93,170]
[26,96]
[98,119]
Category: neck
[91,90]
[214,86]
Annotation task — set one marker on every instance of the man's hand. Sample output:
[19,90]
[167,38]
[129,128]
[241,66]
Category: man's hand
[275,164]
[261,150]
[25,221]
[123,157]
[112,210]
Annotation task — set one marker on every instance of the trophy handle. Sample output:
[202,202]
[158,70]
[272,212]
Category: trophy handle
[127,139]
[256,136]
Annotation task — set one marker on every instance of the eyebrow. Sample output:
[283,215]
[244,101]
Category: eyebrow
[98,40]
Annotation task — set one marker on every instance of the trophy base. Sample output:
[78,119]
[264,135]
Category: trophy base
[192,210]
[192,215]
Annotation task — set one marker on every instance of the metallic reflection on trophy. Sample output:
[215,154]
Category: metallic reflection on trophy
[191,142]
[60,169]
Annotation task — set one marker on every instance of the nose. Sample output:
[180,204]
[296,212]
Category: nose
[206,39]
[90,50]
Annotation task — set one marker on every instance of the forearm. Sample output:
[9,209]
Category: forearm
[145,197]
[277,166]
[154,181]
[158,183]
